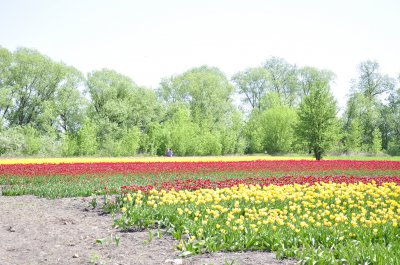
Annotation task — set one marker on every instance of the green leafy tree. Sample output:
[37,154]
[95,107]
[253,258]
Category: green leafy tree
[205,95]
[12,141]
[376,141]
[367,112]
[5,84]
[232,138]
[205,90]
[32,140]
[151,141]
[278,129]
[146,108]
[354,139]
[390,125]
[118,105]
[70,105]
[130,142]
[35,82]
[283,80]
[308,76]
[252,84]
[254,134]
[181,134]
[70,145]
[111,94]
[31,89]
[318,125]
[87,139]
[209,144]
[271,130]
[366,103]
[371,82]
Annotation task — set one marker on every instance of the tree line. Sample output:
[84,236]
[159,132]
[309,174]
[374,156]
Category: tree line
[50,108]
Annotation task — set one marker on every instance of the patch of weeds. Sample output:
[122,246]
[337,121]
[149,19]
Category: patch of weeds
[112,239]
[232,262]
[93,203]
[95,258]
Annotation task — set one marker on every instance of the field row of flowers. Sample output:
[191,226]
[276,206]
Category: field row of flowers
[85,179]
[320,212]
[316,220]
[287,166]
[69,160]
[195,184]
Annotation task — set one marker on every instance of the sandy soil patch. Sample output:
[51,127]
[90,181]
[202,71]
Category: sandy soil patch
[67,231]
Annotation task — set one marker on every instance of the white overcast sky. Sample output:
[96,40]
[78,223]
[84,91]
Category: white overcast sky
[149,40]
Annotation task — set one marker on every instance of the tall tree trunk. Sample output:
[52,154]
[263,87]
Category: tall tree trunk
[317,154]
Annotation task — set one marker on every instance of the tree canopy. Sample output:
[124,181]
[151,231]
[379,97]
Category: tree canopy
[318,125]
[50,108]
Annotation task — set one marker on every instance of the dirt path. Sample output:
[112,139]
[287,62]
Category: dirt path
[62,231]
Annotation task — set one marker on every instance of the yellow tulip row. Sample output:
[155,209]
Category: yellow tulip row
[293,206]
[141,159]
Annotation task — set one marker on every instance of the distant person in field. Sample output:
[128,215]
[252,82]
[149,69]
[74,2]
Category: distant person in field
[169,152]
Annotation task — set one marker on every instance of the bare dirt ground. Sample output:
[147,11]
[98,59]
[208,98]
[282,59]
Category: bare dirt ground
[67,231]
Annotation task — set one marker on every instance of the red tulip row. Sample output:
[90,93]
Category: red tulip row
[194,184]
[287,166]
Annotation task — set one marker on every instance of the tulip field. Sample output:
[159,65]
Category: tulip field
[317,212]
